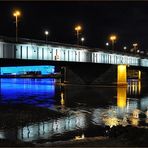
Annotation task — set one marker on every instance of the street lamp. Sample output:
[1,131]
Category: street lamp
[16,14]
[125,48]
[135,45]
[78,28]
[82,40]
[107,44]
[46,34]
[113,39]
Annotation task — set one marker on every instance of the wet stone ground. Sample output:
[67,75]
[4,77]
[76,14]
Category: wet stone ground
[118,137]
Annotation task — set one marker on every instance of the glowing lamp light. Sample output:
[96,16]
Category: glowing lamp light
[124,47]
[82,39]
[46,32]
[107,44]
[135,44]
[113,37]
[78,28]
[16,13]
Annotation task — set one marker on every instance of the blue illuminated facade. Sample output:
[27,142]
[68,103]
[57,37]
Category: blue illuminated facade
[18,70]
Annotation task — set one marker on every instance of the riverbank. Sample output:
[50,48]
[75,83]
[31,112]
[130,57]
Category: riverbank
[87,142]
[118,137]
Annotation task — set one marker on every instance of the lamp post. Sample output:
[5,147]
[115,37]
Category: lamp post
[78,29]
[16,14]
[46,34]
[113,39]
[125,48]
[82,40]
[107,45]
[135,45]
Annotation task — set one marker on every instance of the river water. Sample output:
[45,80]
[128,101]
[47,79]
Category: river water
[83,107]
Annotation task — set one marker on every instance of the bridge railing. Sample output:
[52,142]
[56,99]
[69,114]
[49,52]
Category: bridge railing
[63,52]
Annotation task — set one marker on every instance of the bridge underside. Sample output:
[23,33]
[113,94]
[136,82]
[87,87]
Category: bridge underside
[74,72]
[78,72]
[21,62]
[90,74]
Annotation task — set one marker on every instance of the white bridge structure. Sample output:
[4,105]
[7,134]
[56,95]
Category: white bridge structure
[52,51]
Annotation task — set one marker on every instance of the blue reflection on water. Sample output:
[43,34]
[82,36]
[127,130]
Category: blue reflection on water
[39,92]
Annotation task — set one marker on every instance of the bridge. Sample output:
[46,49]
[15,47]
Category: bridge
[70,58]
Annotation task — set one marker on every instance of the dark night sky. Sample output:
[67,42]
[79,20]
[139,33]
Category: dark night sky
[129,20]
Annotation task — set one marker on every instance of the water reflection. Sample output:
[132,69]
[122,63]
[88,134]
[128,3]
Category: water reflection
[52,127]
[82,107]
[62,101]
[129,110]
[121,97]
[28,91]
[134,87]
[47,129]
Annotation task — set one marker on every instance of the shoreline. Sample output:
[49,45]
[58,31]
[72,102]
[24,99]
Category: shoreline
[119,137]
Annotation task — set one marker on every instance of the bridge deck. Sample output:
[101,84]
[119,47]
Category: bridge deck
[67,53]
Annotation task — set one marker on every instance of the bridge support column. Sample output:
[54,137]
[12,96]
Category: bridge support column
[121,75]
[139,75]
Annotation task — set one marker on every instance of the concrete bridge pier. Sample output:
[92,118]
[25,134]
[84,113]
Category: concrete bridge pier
[91,74]
[121,75]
